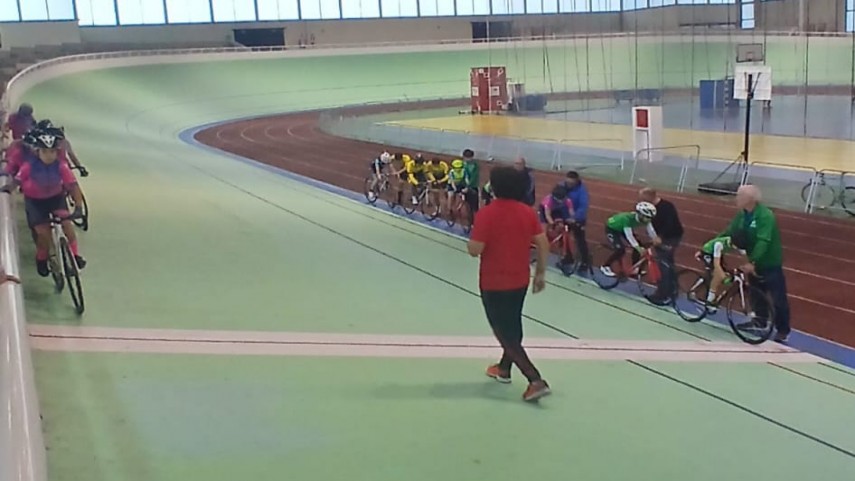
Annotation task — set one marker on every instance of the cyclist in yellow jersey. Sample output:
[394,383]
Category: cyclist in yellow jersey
[416,176]
[436,171]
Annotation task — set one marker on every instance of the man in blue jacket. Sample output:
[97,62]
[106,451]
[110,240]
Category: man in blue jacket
[578,194]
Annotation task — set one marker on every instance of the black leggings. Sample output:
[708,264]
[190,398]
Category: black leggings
[504,312]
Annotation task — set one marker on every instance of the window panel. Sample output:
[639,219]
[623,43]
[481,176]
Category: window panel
[506,7]
[606,5]
[9,11]
[60,9]
[96,12]
[748,11]
[550,6]
[850,21]
[360,8]
[330,9]
[657,3]
[34,10]
[233,10]
[534,6]
[188,11]
[436,8]
[278,9]
[573,6]
[310,9]
[141,12]
[400,8]
[473,7]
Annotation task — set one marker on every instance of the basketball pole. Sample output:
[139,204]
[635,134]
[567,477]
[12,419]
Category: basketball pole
[748,100]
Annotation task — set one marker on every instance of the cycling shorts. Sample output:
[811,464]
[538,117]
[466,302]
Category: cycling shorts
[39,210]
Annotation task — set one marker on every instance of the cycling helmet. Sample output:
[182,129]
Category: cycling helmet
[44,124]
[456,164]
[559,193]
[385,157]
[419,158]
[468,154]
[645,210]
[45,139]
[29,139]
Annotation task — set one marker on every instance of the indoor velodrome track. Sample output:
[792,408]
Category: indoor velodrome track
[246,323]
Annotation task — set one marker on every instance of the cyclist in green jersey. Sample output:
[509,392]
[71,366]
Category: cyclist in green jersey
[712,253]
[619,232]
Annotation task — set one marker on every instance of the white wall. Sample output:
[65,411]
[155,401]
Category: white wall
[38,33]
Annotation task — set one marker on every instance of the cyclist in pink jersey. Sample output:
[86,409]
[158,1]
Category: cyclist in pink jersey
[16,154]
[20,122]
[44,181]
[66,153]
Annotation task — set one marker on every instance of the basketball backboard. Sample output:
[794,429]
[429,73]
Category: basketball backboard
[750,52]
[761,81]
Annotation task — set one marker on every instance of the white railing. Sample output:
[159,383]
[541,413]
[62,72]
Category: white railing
[22,451]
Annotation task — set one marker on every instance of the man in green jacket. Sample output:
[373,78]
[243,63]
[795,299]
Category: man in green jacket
[765,253]
[472,175]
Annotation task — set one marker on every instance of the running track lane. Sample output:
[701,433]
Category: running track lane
[818,261]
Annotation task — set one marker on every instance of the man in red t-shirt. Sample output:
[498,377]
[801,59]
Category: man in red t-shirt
[502,235]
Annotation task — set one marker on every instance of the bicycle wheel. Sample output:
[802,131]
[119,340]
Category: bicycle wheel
[566,261]
[603,252]
[73,275]
[390,194]
[823,196]
[750,314]
[371,193]
[692,289]
[83,222]
[56,273]
[847,198]
[429,206]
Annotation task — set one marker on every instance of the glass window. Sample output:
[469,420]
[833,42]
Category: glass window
[9,11]
[573,6]
[436,8]
[606,5]
[850,15]
[534,6]
[60,9]
[550,6]
[96,12]
[360,8]
[400,8]
[141,12]
[505,7]
[188,11]
[278,10]
[234,10]
[473,7]
[330,9]
[34,10]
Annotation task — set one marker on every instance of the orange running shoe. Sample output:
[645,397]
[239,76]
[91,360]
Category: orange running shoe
[536,390]
[496,373]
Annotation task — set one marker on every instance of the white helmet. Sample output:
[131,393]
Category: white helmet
[645,209]
[386,157]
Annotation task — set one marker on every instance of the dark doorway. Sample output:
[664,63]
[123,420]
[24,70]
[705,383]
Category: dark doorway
[491,31]
[260,37]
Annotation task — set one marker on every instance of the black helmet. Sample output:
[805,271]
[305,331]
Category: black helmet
[45,139]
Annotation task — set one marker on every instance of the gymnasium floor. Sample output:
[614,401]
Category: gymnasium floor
[244,323]
[776,150]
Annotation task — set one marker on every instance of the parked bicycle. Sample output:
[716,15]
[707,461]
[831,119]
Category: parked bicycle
[750,311]
[826,196]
